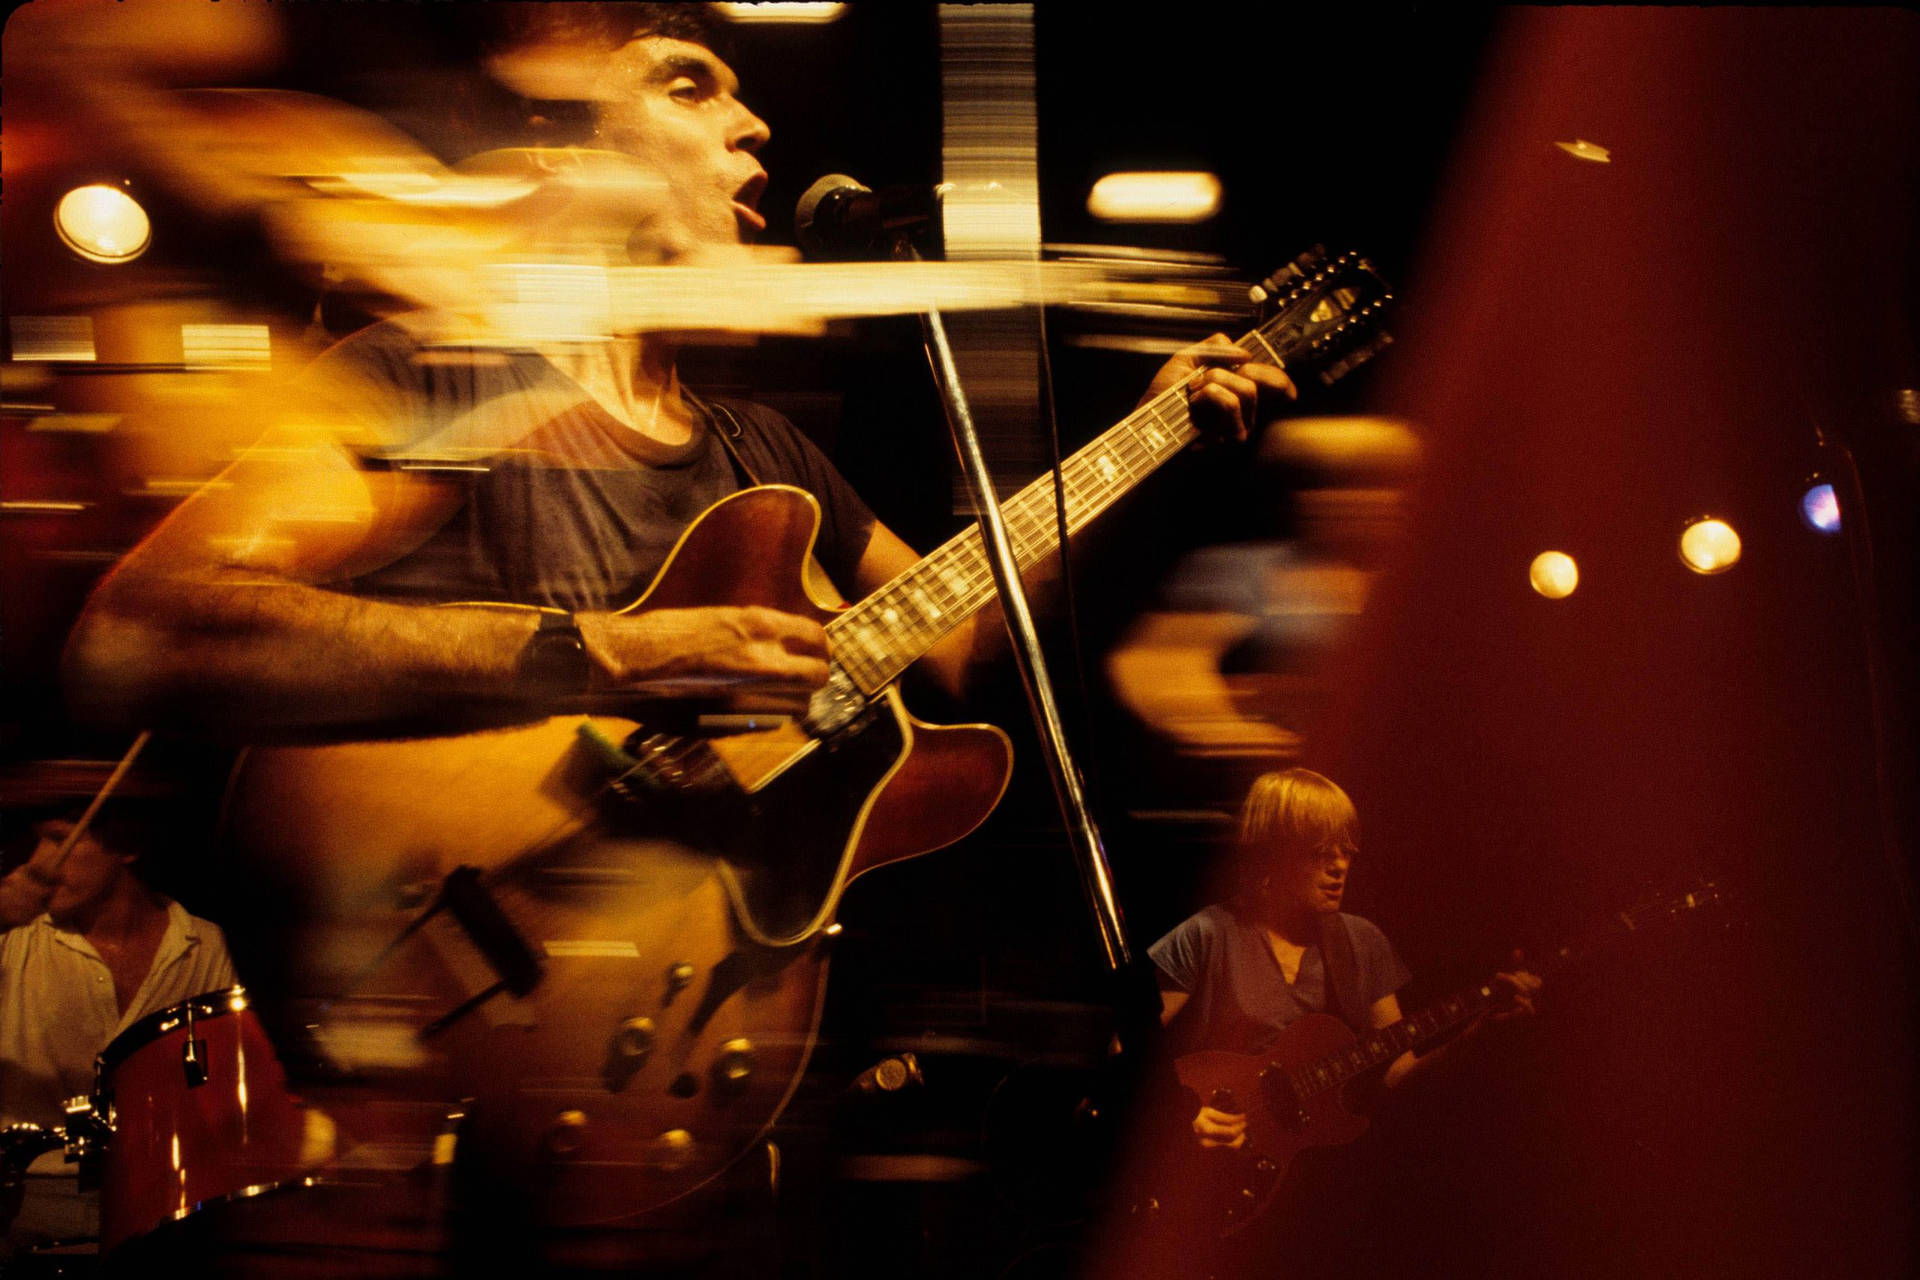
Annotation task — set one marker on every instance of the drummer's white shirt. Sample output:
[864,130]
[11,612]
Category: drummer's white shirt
[58,1009]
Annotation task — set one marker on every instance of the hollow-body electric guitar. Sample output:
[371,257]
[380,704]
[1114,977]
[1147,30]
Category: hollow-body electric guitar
[1294,1094]
[610,935]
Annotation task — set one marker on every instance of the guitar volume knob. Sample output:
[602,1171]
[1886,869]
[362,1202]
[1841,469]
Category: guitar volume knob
[672,1151]
[735,1064]
[636,1038]
[566,1134]
[679,977]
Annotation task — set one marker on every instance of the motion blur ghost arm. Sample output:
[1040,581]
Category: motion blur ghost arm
[221,623]
[218,619]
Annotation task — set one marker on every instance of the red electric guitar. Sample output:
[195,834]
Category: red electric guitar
[1294,1095]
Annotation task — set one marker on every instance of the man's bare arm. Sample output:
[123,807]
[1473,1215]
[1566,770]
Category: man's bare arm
[221,620]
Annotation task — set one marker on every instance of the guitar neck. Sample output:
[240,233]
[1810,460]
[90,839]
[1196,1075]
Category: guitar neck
[877,638]
[1388,1043]
[1383,1046]
[1323,325]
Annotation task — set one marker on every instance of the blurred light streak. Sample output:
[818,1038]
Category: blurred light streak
[1354,447]
[172,487]
[1155,197]
[532,300]
[53,338]
[778,11]
[1147,346]
[989,148]
[1581,149]
[1709,546]
[82,423]
[1554,574]
[1283,608]
[226,346]
[102,223]
[1820,508]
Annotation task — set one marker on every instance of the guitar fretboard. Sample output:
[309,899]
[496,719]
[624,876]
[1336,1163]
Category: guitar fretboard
[1388,1043]
[877,638]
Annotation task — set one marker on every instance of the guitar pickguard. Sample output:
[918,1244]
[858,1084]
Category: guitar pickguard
[784,840]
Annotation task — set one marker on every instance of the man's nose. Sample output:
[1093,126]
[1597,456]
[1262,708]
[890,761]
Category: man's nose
[749,132]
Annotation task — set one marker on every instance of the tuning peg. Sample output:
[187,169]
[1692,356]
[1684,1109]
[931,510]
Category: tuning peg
[1277,283]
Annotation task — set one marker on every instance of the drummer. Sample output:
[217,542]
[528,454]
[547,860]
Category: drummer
[89,950]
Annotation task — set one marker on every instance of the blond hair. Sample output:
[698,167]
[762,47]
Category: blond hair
[1295,812]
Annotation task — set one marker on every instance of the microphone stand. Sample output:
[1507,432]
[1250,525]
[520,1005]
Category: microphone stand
[1083,836]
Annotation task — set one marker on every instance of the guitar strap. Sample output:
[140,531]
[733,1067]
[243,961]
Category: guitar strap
[726,424]
[728,428]
[1342,973]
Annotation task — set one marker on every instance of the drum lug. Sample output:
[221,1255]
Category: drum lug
[193,1054]
[193,1062]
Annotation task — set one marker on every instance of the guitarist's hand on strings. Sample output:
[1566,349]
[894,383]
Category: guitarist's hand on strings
[1217,1128]
[750,656]
[1229,393]
[1514,993]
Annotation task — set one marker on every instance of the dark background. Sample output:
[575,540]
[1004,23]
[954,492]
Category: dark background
[1593,354]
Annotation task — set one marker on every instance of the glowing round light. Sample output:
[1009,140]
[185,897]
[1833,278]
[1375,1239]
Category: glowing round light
[102,224]
[1709,546]
[1554,574]
[1820,508]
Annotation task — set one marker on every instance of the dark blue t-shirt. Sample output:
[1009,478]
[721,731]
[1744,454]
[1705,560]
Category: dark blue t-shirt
[1238,997]
[560,504]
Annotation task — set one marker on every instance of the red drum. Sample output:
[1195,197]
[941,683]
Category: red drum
[197,1113]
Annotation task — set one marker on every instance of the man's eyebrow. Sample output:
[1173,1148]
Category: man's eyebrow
[695,67]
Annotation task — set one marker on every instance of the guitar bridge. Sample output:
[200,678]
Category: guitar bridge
[668,764]
[834,706]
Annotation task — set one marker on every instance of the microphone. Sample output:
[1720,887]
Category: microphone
[841,218]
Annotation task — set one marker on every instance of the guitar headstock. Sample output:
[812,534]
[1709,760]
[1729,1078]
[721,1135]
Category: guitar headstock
[1325,313]
[1674,905]
[1679,905]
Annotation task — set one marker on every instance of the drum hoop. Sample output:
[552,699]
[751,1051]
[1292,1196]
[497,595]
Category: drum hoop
[209,1004]
[303,1182]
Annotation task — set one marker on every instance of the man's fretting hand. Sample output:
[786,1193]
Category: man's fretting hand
[1229,393]
[1514,993]
[744,654]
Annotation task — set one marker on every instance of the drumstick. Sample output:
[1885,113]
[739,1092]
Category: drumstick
[100,798]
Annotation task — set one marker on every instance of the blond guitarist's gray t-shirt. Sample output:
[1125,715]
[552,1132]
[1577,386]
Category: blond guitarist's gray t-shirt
[1238,998]
[561,505]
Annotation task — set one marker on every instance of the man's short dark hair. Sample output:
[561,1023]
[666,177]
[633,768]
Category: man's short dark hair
[608,25]
[492,116]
